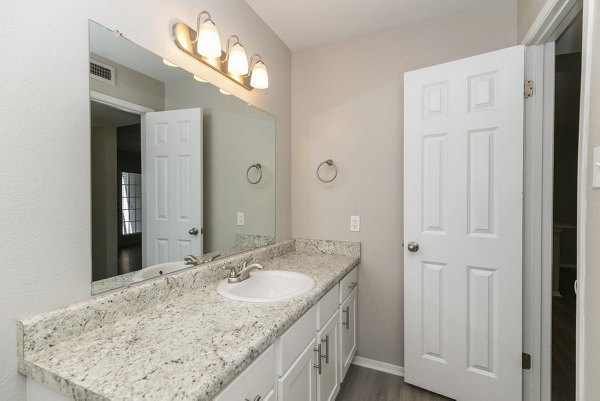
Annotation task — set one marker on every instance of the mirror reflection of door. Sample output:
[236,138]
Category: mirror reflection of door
[172,185]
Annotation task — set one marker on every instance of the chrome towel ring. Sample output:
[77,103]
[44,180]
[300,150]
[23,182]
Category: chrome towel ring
[258,167]
[330,163]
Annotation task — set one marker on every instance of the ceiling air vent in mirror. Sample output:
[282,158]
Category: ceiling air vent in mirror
[102,72]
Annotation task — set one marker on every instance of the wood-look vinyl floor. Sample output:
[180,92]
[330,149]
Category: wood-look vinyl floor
[563,338]
[129,259]
[363,384]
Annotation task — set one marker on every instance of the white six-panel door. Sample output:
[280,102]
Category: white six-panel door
[172,185]
[463,183]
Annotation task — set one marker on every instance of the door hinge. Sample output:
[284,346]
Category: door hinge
[528,89]
[526,361]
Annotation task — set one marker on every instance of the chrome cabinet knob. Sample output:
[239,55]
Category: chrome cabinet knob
[413,246]
[193,231]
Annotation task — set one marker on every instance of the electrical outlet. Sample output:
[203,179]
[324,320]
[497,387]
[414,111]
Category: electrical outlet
[240,219]
[354,223]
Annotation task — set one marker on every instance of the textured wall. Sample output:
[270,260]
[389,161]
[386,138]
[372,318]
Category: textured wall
[347,104]
[527,12]
[45,255]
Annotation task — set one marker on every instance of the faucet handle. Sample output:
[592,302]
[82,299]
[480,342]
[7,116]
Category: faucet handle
[245,262]
[233,270]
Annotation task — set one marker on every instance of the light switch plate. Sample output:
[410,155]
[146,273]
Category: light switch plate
[354,223]
[596,168]
[240,218]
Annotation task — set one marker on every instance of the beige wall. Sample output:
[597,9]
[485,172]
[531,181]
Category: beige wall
[527,12]
[347,104]
[45,252]
[592,214]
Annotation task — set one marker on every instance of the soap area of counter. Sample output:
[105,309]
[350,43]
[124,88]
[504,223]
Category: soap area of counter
[173,337]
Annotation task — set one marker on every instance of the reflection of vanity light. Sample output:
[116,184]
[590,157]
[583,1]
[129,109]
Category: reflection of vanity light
[224,92]
[199,79]
[170,64]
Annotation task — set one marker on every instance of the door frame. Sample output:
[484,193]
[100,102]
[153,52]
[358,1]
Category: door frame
[552,21]
[118,103]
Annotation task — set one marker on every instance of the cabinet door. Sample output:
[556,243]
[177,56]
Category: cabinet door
[348,332]
[256,380]
[299,382]
[328,380]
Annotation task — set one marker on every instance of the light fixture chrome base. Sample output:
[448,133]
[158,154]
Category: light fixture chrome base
[183,36]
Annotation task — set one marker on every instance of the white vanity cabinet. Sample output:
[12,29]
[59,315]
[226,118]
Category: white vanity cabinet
[328,379]
[255,383]
[348,314]
[299,382]
[308,365]
[348,343]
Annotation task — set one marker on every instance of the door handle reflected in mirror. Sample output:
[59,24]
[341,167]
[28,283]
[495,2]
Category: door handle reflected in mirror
[193,231]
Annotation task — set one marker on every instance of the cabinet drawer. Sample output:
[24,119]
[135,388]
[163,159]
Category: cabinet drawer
[294,340]
[327,306]
[348,283]
[256,379]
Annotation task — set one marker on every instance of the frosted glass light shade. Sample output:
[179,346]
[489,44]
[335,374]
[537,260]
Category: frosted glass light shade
[209,42]
[259,78]
[169,63]
[238,62]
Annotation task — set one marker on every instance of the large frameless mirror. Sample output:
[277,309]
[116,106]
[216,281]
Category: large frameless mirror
[181,172]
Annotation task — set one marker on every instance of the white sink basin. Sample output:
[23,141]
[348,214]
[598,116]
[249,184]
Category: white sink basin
[157,270]
[268,286]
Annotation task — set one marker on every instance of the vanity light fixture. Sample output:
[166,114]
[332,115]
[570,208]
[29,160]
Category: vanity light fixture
[235,57]
[208,42]
[199,79]
[259,78]
[223,91]
[204,45]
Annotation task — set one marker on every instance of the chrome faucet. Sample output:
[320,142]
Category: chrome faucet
[213,257]
[241,272]
[191,260]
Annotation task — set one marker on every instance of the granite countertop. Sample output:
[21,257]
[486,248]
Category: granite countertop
[186,347]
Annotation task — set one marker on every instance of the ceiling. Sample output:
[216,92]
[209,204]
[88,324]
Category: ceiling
[306,23]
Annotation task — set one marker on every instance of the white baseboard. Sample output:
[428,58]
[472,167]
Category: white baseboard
[378,365]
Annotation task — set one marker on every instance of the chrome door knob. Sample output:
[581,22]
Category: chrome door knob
[193,231]
[413,246]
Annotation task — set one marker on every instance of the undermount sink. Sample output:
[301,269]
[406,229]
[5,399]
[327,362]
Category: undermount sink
[268,286]
[157,270]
